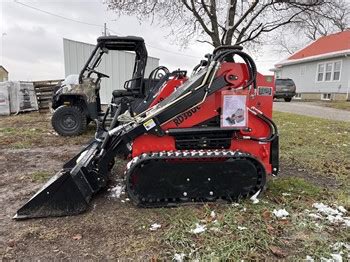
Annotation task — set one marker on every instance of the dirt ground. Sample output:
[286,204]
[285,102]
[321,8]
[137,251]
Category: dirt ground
[105,231]
[112,229]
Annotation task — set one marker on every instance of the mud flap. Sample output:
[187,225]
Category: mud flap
[69,191]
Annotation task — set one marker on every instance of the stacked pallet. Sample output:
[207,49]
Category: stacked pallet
[44,91]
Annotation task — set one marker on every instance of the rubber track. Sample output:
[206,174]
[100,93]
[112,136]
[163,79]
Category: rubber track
[188,155]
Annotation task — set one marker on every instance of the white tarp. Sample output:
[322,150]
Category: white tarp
[22,96]
[4,99]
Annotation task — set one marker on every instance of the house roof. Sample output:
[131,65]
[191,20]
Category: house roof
[3,68]
[327,46]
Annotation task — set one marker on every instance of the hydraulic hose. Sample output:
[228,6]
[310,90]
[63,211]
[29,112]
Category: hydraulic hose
[115,117]
[273,128]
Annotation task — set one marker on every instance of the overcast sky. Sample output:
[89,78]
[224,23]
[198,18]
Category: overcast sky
[32,41]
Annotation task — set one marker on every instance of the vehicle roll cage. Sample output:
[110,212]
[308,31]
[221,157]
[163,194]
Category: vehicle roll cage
[127,43]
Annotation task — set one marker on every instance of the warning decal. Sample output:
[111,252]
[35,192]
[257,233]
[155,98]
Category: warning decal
[149,124]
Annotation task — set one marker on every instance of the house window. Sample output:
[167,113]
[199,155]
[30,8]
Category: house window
[329,71]
[328,75]
[336,72]
[326,96]
[297,96]
[320,72]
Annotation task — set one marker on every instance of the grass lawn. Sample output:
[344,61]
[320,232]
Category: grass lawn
[317,149]
[34,130]
[315,163]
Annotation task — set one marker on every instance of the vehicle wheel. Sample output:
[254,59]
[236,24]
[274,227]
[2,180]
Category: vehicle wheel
[288,99]
[69,121]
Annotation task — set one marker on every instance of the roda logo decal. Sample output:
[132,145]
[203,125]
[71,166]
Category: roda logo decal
[180,118]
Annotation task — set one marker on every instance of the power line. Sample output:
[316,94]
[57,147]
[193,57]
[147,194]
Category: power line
[97,25]
[56,15]
[104,26]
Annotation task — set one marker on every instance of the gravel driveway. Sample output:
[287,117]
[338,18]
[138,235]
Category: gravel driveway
[302,108]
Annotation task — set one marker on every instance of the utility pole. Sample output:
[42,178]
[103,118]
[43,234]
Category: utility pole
[105,29]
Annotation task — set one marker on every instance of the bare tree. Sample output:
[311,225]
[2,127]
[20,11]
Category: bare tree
[331,17]
[218,22]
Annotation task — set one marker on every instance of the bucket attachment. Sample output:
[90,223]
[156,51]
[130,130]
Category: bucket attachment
[69,191]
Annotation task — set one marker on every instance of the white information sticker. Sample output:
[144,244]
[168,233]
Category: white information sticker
[149,124]
[234,111]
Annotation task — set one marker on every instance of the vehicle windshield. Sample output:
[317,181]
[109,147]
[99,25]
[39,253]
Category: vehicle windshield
[285,82]
[95,62]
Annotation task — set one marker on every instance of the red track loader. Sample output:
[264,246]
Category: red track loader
[210,138]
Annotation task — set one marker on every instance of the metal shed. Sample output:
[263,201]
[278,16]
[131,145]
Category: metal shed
[117,64]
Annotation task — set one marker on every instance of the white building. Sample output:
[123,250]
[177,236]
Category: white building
[321,69]
[118,65]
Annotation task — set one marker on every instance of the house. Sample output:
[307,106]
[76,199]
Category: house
[4,74]
[321,70]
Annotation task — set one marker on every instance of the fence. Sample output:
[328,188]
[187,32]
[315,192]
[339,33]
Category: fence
[44,91]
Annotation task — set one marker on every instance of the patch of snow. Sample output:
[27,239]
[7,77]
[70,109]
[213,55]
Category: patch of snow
[342,209]
[339,245]
[116,191]
[199,229]
[179,257]
[254,198]
[335,219]
[155,226]
[286,194]
[333,215]
[337,257]
[281,213]
[212,214]
[347,222]
[309,259]
[235,204]
[326,210]
[241,228]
